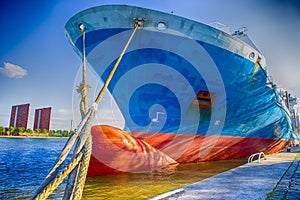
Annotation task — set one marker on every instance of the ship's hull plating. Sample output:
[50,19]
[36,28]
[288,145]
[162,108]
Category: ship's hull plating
[192,92]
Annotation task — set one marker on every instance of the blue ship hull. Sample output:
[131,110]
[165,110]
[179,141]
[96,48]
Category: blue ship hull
[181,77]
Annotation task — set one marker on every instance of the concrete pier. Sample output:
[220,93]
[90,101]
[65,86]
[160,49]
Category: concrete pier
[277,177]
[288,186]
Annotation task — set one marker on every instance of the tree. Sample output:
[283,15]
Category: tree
[7,131]
[29,130]
[2,130]
[12,129]
[51,133]
[38,130]
[65,133]
[70,133]
[45,131]
[21,129]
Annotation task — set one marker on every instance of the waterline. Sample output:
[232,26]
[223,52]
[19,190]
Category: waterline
[24,163]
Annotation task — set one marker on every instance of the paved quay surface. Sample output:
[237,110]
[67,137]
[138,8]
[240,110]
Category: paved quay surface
[278,176]
[288,186]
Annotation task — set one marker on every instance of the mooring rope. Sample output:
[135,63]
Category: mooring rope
[115,67]
[64,153]
[48,189]
[82,152]
[83,170]
[85,145]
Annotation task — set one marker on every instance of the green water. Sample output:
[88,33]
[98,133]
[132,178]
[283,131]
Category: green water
[146,185]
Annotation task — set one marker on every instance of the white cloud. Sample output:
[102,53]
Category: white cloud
[13,71]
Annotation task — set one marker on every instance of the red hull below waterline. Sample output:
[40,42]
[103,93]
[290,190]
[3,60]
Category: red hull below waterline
[117,151]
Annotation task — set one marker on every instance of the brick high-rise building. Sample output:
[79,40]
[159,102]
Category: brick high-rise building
[19,116]
[42,118]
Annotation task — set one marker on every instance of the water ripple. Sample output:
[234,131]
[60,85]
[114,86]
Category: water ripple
[24,163]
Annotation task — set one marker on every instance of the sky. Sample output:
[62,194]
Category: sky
[38,65]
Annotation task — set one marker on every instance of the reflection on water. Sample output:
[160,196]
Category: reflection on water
[145,185]
[24,163]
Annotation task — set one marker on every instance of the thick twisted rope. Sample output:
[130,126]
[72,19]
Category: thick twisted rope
[79,177]
[82,152]
[54,171]
[47,191]
[84,145]
[115,66]
[83,169]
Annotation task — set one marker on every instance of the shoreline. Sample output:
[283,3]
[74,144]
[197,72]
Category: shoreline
[32,137]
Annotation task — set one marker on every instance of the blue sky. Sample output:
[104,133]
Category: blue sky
[38,65]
